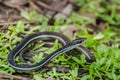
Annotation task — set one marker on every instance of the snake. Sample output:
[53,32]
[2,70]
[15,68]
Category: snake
[67,46]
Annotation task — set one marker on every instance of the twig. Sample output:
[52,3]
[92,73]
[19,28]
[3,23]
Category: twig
[14,23]
[33,6]
[47,6]
[12,77]
[71,1]
[13,6]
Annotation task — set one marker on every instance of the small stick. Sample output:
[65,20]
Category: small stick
[47,6]
[33,6]
[13,6]
[13,77]
[7,23]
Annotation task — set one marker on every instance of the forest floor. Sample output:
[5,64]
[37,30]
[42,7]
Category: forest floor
[98,21]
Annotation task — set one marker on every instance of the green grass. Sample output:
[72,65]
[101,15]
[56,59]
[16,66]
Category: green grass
[107,65]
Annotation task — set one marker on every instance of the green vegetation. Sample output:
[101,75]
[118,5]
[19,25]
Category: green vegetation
[104,45]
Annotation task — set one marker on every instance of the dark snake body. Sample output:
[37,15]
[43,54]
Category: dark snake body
[67,46]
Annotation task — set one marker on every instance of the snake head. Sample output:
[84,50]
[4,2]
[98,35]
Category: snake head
[79,40]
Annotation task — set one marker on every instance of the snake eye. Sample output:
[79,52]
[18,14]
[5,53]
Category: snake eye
[79,40]
[82,39]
